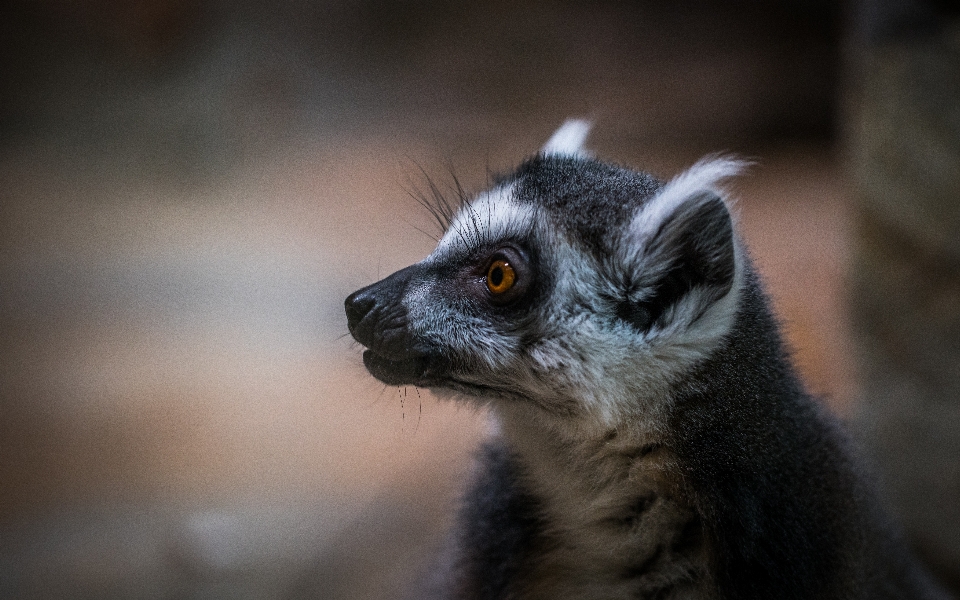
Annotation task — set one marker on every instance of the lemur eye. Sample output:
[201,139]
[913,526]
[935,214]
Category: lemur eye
[500,277]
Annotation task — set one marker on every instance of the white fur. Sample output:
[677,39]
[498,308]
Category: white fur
[704,176]
[613,373]
[492,216]
[568,140]
[600,367]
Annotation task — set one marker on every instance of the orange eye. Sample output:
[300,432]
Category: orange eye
[500,276]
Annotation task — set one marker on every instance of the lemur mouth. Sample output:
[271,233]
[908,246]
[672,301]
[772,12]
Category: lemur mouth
[419,370]
[429,371]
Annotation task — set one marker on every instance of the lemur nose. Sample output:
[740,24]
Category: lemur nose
[368,307]
[358,305]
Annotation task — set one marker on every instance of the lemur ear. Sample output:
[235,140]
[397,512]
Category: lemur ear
[682,241]
[568,139]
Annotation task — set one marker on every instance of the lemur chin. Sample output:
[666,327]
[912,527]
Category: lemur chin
[654,440]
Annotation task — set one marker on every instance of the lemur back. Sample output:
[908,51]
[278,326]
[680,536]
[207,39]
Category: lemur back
[652,438]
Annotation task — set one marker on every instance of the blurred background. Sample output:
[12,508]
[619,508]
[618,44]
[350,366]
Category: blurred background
[189,189]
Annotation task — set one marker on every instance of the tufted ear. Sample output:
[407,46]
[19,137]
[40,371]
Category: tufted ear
[682,246]
[568,139]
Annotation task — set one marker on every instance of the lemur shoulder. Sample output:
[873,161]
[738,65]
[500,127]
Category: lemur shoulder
[653,440]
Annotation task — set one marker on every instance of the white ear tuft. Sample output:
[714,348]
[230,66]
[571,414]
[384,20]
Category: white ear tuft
[569,139]
[705,177]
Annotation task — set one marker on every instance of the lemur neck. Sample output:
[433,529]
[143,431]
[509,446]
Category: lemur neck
[583,464]
[615,511]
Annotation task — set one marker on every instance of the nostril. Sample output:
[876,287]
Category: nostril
[357,305]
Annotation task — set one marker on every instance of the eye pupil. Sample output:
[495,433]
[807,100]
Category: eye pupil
[496,276]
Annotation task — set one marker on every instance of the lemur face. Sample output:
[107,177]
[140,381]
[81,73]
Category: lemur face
[572,285]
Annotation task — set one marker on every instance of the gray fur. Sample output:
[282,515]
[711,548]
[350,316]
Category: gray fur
[653,440]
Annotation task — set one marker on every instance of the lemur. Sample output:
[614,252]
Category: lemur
[652,439]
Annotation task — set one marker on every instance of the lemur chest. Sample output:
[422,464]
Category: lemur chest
[620,525]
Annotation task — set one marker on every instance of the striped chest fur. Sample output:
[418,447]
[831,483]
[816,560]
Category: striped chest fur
[615,518]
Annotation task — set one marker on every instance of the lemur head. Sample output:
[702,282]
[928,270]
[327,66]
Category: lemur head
[573,286]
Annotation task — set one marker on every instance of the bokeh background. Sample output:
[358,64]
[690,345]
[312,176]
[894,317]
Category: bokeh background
[189,189]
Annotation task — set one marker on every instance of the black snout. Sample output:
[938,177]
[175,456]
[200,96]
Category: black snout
[378,307]
[378,319]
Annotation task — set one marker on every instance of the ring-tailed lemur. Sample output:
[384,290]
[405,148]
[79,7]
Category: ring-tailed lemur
[653,439]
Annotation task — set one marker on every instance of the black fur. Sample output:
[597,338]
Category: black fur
[788,512]
[586,198]
[768,470]
[501,534]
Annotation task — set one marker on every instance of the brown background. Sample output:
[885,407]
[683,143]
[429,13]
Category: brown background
[189,190]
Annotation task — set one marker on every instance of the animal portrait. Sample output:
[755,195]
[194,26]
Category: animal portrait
[651,438]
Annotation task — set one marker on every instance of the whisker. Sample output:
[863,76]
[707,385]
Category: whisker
[429,235]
